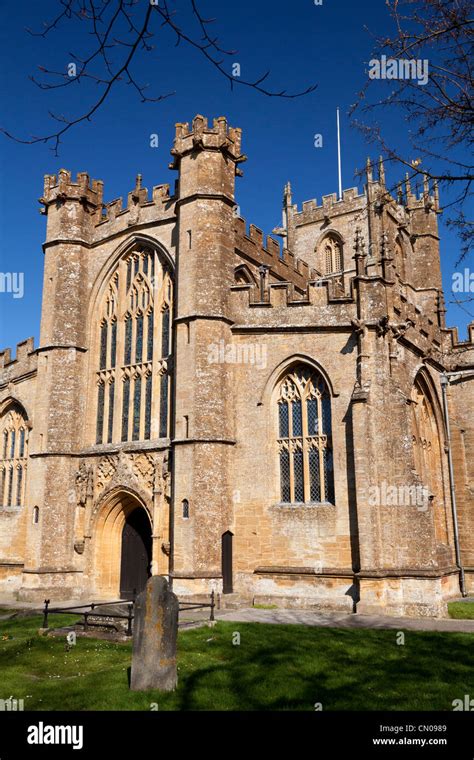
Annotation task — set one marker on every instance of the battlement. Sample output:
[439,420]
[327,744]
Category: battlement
[23,351]
[268,252]
[137,197]
[62,187]
[218,137]
[330,206]
[460,345]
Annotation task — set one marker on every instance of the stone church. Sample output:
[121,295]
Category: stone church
[283,421]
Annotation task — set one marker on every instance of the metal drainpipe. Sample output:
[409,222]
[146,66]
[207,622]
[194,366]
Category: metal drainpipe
[462,585]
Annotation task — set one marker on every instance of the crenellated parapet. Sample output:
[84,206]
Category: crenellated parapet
[282,262]
[61,188]
[462,350]
[219,137]
[330,207]
[159,205]
[24,362]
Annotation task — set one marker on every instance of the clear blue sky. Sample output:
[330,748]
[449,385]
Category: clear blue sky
[301,43]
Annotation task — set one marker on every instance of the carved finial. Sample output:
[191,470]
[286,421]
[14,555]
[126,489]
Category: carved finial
[138,182]
[368,170]
[426,186]
[436,194]
[381,172]
[407,185]
[400,194]
[287,200]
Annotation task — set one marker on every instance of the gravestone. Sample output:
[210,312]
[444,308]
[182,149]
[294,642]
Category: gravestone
[155,632]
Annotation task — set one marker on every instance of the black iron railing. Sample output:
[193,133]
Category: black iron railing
[90,611]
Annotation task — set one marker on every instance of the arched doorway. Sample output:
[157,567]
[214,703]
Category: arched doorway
[122,546]
[136,554]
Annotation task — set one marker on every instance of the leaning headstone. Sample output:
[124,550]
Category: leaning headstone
[155,632]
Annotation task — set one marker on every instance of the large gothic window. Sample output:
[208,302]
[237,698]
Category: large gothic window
[427,450]
[331,255]
[14,442]
[304,438]
[134,342]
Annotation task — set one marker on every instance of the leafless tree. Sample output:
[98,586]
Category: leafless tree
[121,32]
[440,112]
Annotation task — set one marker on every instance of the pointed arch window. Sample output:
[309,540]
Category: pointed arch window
[427,451]
[14,426]
[305,438]
[331,255]
[134,337]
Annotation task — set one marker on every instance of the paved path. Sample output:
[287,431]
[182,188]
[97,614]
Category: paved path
[343,620]
[307,617]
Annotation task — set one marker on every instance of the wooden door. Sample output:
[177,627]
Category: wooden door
[136,554]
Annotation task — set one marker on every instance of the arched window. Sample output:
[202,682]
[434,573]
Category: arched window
[331,255]
[427,451]
[134,344]
[185,505]
[304,438]
[14,427]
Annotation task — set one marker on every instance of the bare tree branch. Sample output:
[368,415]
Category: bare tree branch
[113,26]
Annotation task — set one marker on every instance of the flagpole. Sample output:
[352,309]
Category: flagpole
[339,155]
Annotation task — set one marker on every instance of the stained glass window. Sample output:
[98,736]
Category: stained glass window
[164,406]
[125,407]
[297,418]
[113,345]
[15,444]
[139,339]
[100,413]
[137,397]
[103,346]
[128,341]
[149,352]
[283,419]
[110,424]
[148,407]
[304,438]
[10,487]
[299,477]
[285,475]
[19,484]
[131,324]
[165,332]
[314,475]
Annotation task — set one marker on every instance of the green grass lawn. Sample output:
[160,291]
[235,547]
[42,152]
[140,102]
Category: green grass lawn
[279,667]
[461,610]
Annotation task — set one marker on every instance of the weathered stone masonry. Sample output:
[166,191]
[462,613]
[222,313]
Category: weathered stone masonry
[352,299]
